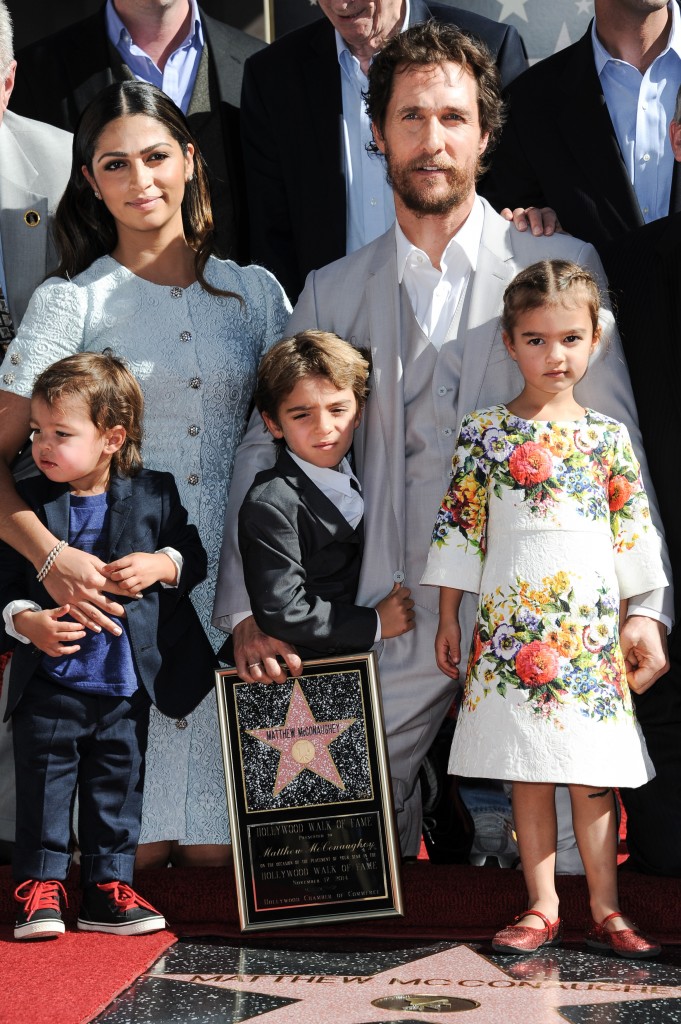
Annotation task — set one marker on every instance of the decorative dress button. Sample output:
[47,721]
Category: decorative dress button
[195,383]
[194,431]
[15,359]
[175,292]
[185,336]
[181,723]
[442,390]
[8,378]
[193,479]
[398,576]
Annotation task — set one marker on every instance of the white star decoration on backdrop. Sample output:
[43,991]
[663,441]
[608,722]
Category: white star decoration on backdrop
[584,7]
[457,972]
[509,7]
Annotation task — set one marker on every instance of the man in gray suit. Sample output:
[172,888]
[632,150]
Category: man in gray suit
[35,160]
[425,298]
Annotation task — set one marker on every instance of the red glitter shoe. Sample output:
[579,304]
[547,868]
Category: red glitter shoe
[629,942]
[522,939]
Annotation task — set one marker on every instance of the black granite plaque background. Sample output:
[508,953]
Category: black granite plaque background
[309,795]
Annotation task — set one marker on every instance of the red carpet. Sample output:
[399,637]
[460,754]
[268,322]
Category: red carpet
[69,980]
[72,979]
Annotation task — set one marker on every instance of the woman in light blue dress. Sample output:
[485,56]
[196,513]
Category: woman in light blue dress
[137,276]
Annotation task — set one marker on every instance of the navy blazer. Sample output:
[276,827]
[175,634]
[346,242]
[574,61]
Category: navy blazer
[145,514]
[301,565]
[58,76]
[559,149]
[291,127]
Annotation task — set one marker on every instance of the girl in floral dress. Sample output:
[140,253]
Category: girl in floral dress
[547,520]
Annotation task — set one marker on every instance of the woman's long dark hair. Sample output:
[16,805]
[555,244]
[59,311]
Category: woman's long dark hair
[84,229]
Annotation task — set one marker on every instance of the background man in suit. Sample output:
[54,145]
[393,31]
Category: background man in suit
[314,192]
[425,299]
[195,59]
[35,161]
[587,128]
[644,270]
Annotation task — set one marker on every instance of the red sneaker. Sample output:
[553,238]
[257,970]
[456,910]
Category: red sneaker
[115,908]
[40,915]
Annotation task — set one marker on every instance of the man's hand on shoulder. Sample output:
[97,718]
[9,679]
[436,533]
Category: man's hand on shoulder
[255,654]
[539,220]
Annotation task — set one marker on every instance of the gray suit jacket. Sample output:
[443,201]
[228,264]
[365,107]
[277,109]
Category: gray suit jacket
[358,298]
[35,162]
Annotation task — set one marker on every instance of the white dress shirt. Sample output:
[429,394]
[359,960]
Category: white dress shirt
[435,294]
[336,485]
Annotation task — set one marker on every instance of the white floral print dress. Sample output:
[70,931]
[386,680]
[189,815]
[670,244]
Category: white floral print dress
[549,523]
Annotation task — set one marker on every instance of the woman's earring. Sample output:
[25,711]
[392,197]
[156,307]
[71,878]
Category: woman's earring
[97,195]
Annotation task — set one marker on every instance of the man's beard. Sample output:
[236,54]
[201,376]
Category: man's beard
[420,198]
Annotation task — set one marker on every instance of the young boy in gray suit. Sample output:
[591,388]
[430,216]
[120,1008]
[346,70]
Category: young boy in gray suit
[300,526]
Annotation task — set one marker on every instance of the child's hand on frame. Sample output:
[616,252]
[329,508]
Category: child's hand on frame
[396,612]
[448,647]
[47,631]
[139,570]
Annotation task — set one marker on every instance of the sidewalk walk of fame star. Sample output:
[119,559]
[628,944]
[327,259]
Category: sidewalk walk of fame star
[303,742]
[397,985]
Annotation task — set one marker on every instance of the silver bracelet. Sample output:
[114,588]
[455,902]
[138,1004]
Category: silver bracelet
[50,560]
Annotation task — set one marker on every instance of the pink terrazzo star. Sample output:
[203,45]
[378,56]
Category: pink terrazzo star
[427,986]
[303,742]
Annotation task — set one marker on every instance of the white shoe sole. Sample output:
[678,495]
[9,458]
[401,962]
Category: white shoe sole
[39,930]
[150,924]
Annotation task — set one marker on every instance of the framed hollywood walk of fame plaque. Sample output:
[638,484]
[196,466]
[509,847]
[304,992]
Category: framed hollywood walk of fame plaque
[309,795]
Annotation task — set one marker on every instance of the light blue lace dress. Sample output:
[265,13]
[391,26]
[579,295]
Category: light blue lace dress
[196,357]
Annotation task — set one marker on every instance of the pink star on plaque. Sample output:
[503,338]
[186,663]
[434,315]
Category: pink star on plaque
[303,742]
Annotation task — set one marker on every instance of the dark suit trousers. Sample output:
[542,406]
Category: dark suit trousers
[64,739]
[654,810]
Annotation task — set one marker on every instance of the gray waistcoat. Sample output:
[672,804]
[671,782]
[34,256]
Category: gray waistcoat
[431,387]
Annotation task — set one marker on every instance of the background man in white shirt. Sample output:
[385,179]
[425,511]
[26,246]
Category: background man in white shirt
[587,127]
[173,44]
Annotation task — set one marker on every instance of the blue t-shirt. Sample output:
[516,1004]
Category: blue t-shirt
[104,664]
